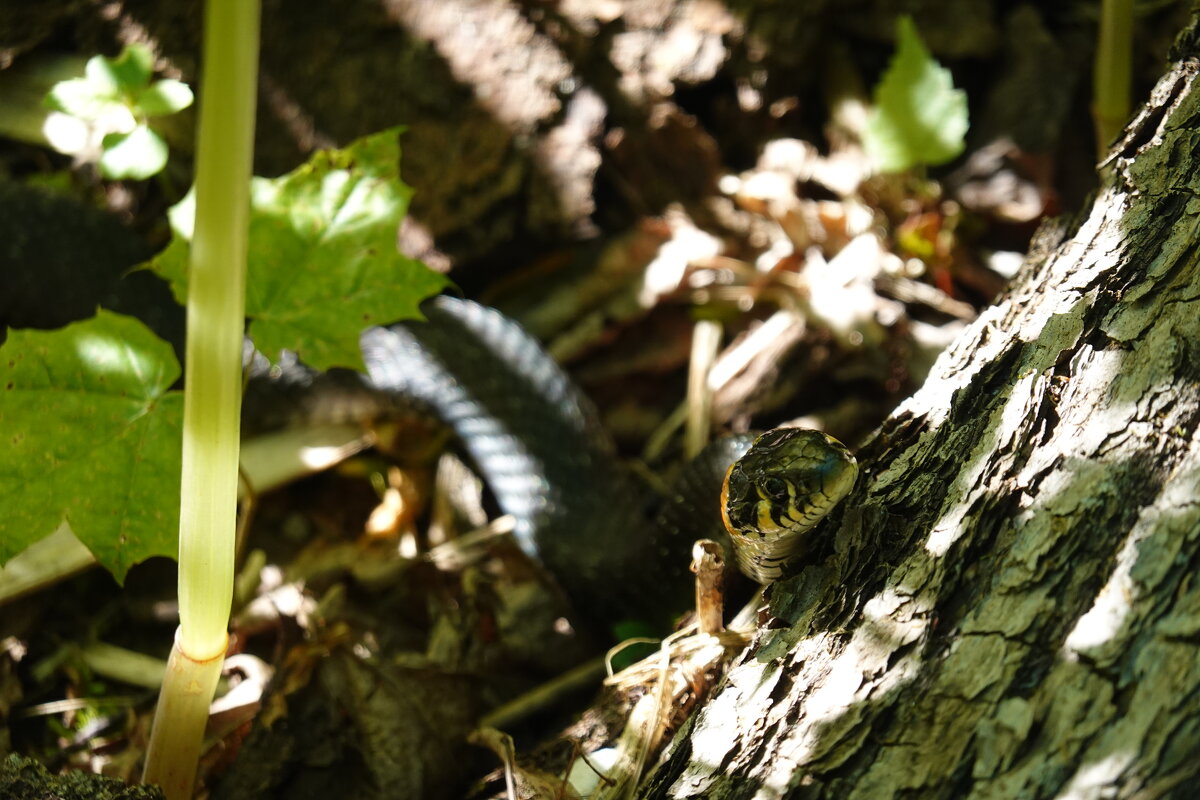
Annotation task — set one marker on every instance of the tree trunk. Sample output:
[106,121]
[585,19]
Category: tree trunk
[1012,608]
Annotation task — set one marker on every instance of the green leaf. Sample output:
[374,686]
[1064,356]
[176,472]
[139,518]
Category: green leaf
[162,98]
[919,117]
[99,73]
[81,98]
[90,436]
[125,74]
[323,260]
[115,88]
[135,155]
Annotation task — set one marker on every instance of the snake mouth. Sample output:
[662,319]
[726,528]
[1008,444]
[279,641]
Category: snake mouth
[779,490]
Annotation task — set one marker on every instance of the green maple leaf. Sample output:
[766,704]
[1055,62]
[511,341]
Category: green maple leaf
[90,435]
[323,262]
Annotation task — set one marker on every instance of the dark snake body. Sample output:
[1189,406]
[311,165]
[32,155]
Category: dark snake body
[538,444]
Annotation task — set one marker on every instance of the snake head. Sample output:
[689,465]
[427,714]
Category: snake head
[787,481]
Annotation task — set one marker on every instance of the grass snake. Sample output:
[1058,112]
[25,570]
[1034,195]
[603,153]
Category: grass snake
[537,442]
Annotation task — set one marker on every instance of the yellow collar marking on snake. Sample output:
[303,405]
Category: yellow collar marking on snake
[778,491]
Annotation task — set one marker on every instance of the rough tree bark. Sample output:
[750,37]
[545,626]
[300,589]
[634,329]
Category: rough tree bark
[1011,609]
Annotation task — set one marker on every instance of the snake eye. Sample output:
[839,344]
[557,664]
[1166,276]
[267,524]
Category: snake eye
[776,488]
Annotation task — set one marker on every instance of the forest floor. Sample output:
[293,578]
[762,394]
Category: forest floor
[801,285]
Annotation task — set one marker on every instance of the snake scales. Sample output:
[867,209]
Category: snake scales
[537,442]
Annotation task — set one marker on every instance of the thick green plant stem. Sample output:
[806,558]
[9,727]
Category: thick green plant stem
[1112,78]
[212,390]
[216,324]
[179,721]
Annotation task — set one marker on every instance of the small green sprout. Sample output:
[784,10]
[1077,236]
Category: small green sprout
[117,99]
[919,117]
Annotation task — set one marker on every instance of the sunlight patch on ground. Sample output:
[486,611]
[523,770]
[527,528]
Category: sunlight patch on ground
[274,459]
[687,245]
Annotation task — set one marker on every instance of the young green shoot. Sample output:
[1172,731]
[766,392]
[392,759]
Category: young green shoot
[104,473]
[1112,75]
[115,99]
[919,119]
[212,395]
